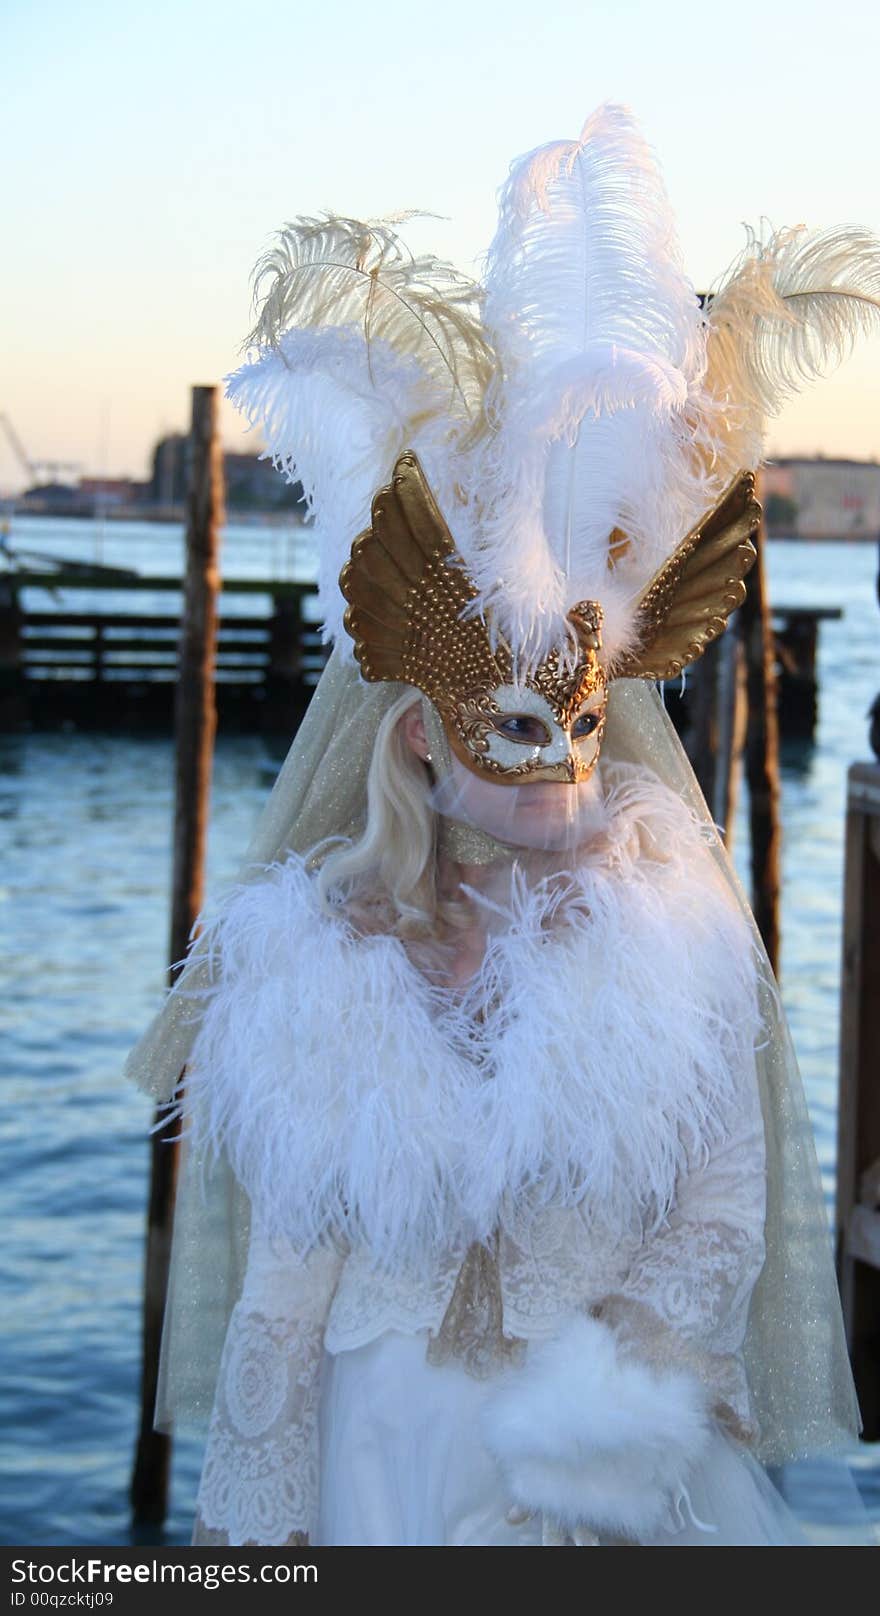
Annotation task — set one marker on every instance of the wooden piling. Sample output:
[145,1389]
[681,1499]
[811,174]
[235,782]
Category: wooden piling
[736,732]
[858,1138]
[727,758]
[12,702]
[195,704]
[714,737]
[286,695]
[797,648]
[195,726]
[702,688]
[762,753]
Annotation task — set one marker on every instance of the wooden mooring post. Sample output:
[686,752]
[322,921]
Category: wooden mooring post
[797,649]
[762,753]
[715,737]
[195,726]
[732,692]
[12,702]
[858,1137]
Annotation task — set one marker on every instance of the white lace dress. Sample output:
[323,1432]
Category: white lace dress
[331,1423]
[588,1049]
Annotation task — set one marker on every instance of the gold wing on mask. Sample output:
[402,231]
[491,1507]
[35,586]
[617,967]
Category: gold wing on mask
[405,599]
[687,603]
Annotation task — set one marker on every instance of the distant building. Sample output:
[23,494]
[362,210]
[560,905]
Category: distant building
[254,484]
[90,497]
[54,499]
[822,499]
[110,493]
[168,481]
[251,483]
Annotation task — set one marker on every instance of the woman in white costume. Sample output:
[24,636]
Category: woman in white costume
[499,1220]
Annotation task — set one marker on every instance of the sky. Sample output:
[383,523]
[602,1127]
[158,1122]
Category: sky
[151,151]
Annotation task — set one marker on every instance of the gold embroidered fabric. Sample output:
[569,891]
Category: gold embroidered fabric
[472,1328]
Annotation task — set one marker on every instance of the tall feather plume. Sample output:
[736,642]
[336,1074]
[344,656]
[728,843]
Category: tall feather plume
[347,272]
[788,311]
[359,350]
[601,347]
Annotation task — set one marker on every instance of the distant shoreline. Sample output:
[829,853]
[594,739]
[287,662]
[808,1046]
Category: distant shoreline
[175,516]
[824,538]
[162,516]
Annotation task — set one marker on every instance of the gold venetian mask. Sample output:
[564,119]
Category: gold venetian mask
[405,616]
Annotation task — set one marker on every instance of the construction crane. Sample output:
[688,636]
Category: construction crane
[34,469]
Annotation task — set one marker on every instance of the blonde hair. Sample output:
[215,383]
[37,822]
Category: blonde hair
[395,855]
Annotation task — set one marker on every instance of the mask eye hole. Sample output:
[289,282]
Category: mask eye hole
[585,724]
[524,728]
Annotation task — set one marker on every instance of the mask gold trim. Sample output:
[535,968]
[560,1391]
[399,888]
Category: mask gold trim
[407,600]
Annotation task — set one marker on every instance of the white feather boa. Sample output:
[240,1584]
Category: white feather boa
[593,1056]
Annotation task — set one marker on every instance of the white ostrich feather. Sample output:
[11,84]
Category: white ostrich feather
[600,342]
[789,310]
[337,271]
[413,1118]
[359,351]
[334,412]
[586,251]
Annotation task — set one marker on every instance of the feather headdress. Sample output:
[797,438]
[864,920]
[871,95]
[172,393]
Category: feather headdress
[359,349]
[576,414]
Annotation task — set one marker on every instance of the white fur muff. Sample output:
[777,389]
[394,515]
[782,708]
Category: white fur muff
[592,1439]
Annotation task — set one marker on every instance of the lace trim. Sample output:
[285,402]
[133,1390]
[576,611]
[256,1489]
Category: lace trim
[208,1537]
[698,1278]
[368,1301]
[259,1480]
[680,1297]
[556,1264]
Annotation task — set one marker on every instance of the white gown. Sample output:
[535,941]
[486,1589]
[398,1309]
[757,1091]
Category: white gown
[328,1418]
[372,1444]
[402,1463]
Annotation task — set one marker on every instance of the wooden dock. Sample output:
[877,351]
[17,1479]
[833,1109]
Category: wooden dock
[796,645]
[117,669]
[796,634]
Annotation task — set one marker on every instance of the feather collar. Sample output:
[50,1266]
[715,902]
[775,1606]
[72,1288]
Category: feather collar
[595,1054]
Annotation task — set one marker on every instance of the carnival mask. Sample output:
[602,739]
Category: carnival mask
[407,605]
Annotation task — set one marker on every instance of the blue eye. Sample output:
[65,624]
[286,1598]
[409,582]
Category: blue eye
[584,725]
[523,728]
